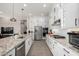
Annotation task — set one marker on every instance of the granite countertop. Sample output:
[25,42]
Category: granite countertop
[8,43]
[64,42]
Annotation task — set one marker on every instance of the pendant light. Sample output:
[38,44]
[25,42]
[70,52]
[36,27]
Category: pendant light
[22,12]
[13,19]
[22,21]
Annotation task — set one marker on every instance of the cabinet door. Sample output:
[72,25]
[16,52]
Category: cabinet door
[57,50]
[52,45]
[31,40]
[66,52]
[69,14]
[26,47]
[47,40]
[28,44]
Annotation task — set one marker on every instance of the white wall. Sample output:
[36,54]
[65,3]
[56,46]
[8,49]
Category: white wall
[5,22]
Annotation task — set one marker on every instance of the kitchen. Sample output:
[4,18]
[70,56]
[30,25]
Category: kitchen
[39,29]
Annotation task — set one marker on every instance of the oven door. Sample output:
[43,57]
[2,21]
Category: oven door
[20,50]
[74,40]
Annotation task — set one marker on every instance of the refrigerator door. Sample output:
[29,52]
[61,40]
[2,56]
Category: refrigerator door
[38,33]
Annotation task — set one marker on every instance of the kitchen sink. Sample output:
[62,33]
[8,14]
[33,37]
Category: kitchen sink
[58,36]
[20,37]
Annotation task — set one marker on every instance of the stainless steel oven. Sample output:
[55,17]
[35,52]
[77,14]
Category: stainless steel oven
[74,40]
[20,49]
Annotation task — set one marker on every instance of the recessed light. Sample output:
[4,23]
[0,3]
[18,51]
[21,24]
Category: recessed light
[25,5]
[44,5]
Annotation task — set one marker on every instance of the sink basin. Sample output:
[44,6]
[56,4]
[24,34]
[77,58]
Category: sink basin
[21,37]
[58,36]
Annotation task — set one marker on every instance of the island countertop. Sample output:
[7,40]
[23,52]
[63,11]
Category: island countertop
[8,43]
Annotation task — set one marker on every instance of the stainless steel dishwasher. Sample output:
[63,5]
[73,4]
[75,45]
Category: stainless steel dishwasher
[20,49]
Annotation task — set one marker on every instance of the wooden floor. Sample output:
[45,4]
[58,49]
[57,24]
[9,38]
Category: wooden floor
[39,48]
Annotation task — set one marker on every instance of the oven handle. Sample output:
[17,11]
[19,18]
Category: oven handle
[20,47]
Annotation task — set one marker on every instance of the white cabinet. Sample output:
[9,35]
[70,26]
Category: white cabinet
[58,49]
[53,46]
[11,53]
[66,13]
[70,14]
[26,47]
[68,52]
[49,42]
[28,44]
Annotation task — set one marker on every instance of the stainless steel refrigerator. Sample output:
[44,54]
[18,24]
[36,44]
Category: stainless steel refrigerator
[38,32]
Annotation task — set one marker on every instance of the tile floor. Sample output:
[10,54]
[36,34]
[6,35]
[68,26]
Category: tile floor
[39,48]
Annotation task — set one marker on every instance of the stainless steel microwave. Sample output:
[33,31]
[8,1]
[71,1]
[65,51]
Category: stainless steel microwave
[74,39]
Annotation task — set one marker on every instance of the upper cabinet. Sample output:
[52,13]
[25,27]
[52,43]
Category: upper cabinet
[64,15]
[70,16]
[56,16]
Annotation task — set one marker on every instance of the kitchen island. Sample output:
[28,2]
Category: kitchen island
[9,43]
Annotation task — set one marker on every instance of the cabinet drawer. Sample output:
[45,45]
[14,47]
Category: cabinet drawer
[66,52]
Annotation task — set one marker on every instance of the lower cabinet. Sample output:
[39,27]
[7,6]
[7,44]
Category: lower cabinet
[66,52]
[57,49]
[49,43]
[28,44]
[11,53]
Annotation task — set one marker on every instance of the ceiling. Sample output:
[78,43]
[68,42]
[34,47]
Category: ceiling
[34,9]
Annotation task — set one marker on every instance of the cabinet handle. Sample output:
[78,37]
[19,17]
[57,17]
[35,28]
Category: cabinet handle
[64,55]
[66,50]
[20,47]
